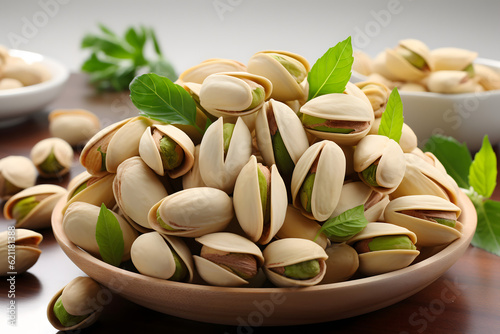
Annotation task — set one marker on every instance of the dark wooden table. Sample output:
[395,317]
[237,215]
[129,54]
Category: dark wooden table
[466,299]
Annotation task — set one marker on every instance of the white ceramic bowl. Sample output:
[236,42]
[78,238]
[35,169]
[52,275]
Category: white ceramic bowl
[273,306]
[466,117]
[16,104]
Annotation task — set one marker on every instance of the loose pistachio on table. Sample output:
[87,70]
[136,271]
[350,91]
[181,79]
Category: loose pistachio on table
[52,157]
[75,126]
[16,173]
[24,246]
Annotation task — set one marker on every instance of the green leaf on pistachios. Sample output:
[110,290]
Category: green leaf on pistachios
[160,99]
[483,170]
[391,124]
[487,235]
[332,71]
[345,225]
[109,237]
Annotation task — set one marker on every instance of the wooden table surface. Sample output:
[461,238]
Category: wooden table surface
[466,299]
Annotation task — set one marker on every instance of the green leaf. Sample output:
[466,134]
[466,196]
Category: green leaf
[135,39]
[108,46]
[156,45]
[345,225]
[391,124]
[109,237]
[332,71]
[94,64]
[487,234]
[106,30]
[163,68]
[160,99]
[455,157]
[483,170]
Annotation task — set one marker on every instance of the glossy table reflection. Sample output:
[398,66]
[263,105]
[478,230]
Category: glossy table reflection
[464,300]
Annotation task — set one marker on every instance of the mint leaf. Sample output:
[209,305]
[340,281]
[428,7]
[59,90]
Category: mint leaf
[391,124]
[487,235]
[454,156]
[483,170]
[345,225]
[109,237]
[332,71]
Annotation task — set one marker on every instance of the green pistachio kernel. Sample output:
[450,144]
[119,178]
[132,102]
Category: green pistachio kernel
[103,159]
[23,207]
[171,153]
[80,188]
[284,162]
[162,223]
[370,175]
[180,269]
[321,124]
[258,95]
[470,70]
[50,165]
[305,192]
[413,58]
[303,270]
[263,195]
[447,222]
[227,131]
[391,242]
[296,69]
[66,319]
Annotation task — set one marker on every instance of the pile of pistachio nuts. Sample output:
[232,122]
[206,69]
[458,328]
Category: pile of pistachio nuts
[412,66]
[16,72]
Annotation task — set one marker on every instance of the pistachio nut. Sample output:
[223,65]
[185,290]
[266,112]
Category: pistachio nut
[362,63]
[227,259]
[451,82]
[453,59]
[408,140]
[52,157]
[410,60]
[342,263]
[198,73]
[76,306]
[294,262]
[384,247]
[487,77]
[412,87]
[21,243]
[378,95]
[32,207]
[9,83]
[162,256]
[75,126]
[381,72]
[192,178]
[16,173]
[27,74]
[433,219]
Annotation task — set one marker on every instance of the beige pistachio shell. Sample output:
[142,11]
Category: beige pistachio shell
[451,82]
[75,126]
[198,73]
[450,58]
[61,151]
[248,203]
[137,188]
[296,225]
[412,87]
[379,262]
[79,297]
[215,274]
[27,74]
[354,90]
[342,263]
[17,170]
[192,179]
[221,171]
[9,83]
[328,180]
[40,216]
[26,249]
[400,68]
[340,107]
[149,152]
[79,224]
[193,212]
[380,71]
[362,63]
[289,251]
[377,93]
[285,86]
[151,254]
[428,233]
[391,162]
[487,77]
[408,140]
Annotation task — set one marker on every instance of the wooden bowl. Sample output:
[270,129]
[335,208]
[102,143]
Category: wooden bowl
[272,306]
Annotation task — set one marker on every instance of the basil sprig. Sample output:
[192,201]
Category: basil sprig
[109,237]
[391,124]
[344,226]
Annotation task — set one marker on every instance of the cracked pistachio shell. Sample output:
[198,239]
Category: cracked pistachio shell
[248,203]
[330,172]
[412,87]
[296,225]
[487,77]
[192,179]
[342,263]
[9,83]
[378,95]
[79,224]
[215,274]
[75,126]
[450,58]
[220,170]
[152,255]
[193,212]
[201,71]
[290,251]
[354,90]
[357,193]
[26,249]
[422,178]
[27,74]
[403,70]
[380,71]
[119,141]
[289,126]
[451,82]
[383,261]
[408,140]
[428,233]
[137,188]
[62,153]
[340,107]
[79,297]
[151,155]
[362,63]
[434,161]
[227,93]
[390,157]
[285,86]
[97,190]
[18,171]
[38,217]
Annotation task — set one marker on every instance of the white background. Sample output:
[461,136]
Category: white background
[191,31]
